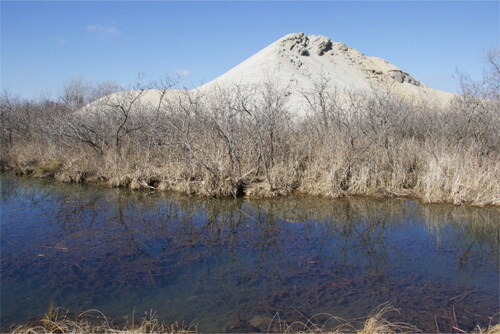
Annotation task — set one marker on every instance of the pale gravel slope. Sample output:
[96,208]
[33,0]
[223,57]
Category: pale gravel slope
[297,61]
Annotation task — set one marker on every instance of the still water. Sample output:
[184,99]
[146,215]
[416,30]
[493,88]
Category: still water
[233,265]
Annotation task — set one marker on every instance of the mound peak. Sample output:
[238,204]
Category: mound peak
[316,56]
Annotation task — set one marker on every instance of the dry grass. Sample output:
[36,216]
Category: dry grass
[246,145]
[62,321]
[492,329]
[373,324]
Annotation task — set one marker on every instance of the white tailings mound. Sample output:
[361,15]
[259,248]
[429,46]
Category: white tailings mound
[296,62]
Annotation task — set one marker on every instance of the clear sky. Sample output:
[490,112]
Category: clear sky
[45,44]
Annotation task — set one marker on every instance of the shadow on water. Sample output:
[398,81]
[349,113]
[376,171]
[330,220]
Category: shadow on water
[223,263]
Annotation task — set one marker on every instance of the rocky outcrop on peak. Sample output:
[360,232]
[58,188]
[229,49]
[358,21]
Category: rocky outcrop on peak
[324,47]
[400,76]
[305,45]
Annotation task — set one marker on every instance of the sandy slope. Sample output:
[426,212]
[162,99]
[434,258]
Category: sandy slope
[297,61]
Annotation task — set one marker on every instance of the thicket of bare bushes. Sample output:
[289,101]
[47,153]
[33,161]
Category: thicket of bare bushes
[244,141]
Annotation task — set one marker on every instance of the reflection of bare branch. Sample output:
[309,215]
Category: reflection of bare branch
[133,243]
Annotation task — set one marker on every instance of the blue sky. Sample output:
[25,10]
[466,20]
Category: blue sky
[45,44]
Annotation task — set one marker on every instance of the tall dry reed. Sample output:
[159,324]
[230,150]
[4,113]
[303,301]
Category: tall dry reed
[245,141]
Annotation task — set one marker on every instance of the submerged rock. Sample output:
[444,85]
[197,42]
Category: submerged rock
[265,324]
[242,326]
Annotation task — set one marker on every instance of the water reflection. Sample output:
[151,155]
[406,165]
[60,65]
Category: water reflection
[224,262]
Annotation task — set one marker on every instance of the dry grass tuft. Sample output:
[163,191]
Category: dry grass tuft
[492,329]
[376,324]
[61,321]
[373,324]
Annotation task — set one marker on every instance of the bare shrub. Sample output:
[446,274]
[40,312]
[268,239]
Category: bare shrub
[244,140]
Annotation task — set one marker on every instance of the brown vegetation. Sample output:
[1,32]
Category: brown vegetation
[244,141]
[62,321]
